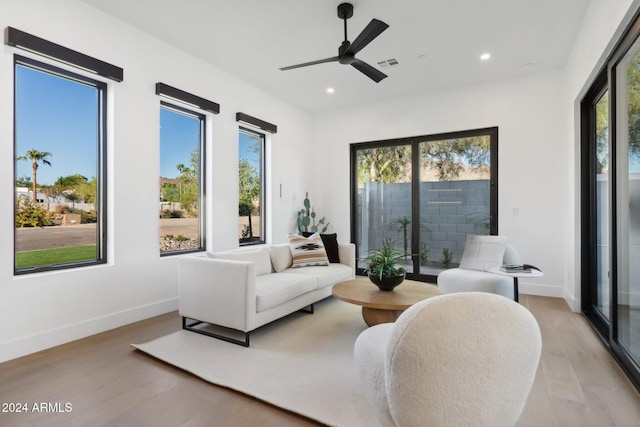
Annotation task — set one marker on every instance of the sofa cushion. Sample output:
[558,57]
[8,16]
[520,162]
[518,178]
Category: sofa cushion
[280,257]
[277,288]
[325,276]
[260,257]
[307,251]
[483,252]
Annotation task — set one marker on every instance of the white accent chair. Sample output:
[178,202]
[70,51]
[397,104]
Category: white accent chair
[463,359]
[480,254]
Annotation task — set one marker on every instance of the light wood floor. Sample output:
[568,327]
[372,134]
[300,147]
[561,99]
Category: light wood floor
[110,384]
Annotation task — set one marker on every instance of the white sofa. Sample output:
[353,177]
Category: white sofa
[248,288]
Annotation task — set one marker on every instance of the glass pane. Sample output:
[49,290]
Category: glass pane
[180,147]
[250,223]
[602,205]
[628,202]
[454,198]
[56,141]
[384,201]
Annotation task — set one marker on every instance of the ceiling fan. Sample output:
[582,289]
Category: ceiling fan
[348,50]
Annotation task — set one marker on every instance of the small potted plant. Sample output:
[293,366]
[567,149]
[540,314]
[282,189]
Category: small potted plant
[382,268]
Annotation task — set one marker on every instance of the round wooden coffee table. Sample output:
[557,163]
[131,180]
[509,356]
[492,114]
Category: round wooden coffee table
[380,306]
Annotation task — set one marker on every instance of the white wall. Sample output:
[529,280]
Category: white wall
[42,310]
[531,156]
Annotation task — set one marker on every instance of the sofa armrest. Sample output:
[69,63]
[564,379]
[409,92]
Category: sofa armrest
[221,292]
[347,254]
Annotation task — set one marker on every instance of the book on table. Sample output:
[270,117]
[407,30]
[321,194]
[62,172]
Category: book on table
[515,268]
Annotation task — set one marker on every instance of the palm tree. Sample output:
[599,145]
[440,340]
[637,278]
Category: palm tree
[36,156]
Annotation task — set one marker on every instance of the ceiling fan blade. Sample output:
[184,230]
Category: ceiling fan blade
[306,64]
[370,32]
[368,70]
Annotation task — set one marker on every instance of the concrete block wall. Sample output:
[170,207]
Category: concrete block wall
[449,211]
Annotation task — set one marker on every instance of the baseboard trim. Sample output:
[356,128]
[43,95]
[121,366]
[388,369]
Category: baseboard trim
[53,337]
[539,289]
[574,304]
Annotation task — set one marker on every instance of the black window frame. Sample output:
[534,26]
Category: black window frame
[101,174]
[263,175]
[202,145]
[414,142]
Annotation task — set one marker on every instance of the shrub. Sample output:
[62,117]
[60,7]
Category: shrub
[447,257]
[171,214]
[88,217]
[30,214]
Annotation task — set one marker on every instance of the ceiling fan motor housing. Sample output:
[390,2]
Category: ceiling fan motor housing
[345,10]
[344,56]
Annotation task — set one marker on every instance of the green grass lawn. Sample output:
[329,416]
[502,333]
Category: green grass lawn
[55,256]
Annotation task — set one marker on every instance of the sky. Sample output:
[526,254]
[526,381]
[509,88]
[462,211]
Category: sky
[59,116]
[179,135]
[245,142]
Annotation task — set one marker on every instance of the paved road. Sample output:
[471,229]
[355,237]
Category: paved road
[29,238]
[32,238]
[187,227]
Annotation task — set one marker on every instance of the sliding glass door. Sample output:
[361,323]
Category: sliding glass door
[596,184]
[601,110]
[455,194]
[384,200]
[423,195]
[610,169]
[627,204]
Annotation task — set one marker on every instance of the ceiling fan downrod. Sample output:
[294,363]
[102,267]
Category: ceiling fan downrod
[345,11]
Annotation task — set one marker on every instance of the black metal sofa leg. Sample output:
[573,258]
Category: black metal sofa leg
[191,327]
[308,309]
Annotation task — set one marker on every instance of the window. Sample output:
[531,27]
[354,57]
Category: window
[251,218]
[423,195]
[182,133]
[182,172]
[59,147]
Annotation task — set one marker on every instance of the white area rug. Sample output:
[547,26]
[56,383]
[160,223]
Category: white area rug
[303,363]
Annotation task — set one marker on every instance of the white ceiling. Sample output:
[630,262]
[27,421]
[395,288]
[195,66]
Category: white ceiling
[436,42]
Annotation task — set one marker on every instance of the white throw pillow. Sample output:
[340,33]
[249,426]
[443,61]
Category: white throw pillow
[260,257]
[280,257]
[307,251]
[483,252]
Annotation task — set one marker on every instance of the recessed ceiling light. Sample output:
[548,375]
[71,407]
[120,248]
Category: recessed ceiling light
[330,90]
[485,56]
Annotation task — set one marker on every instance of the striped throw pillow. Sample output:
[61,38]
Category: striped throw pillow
[307,251]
